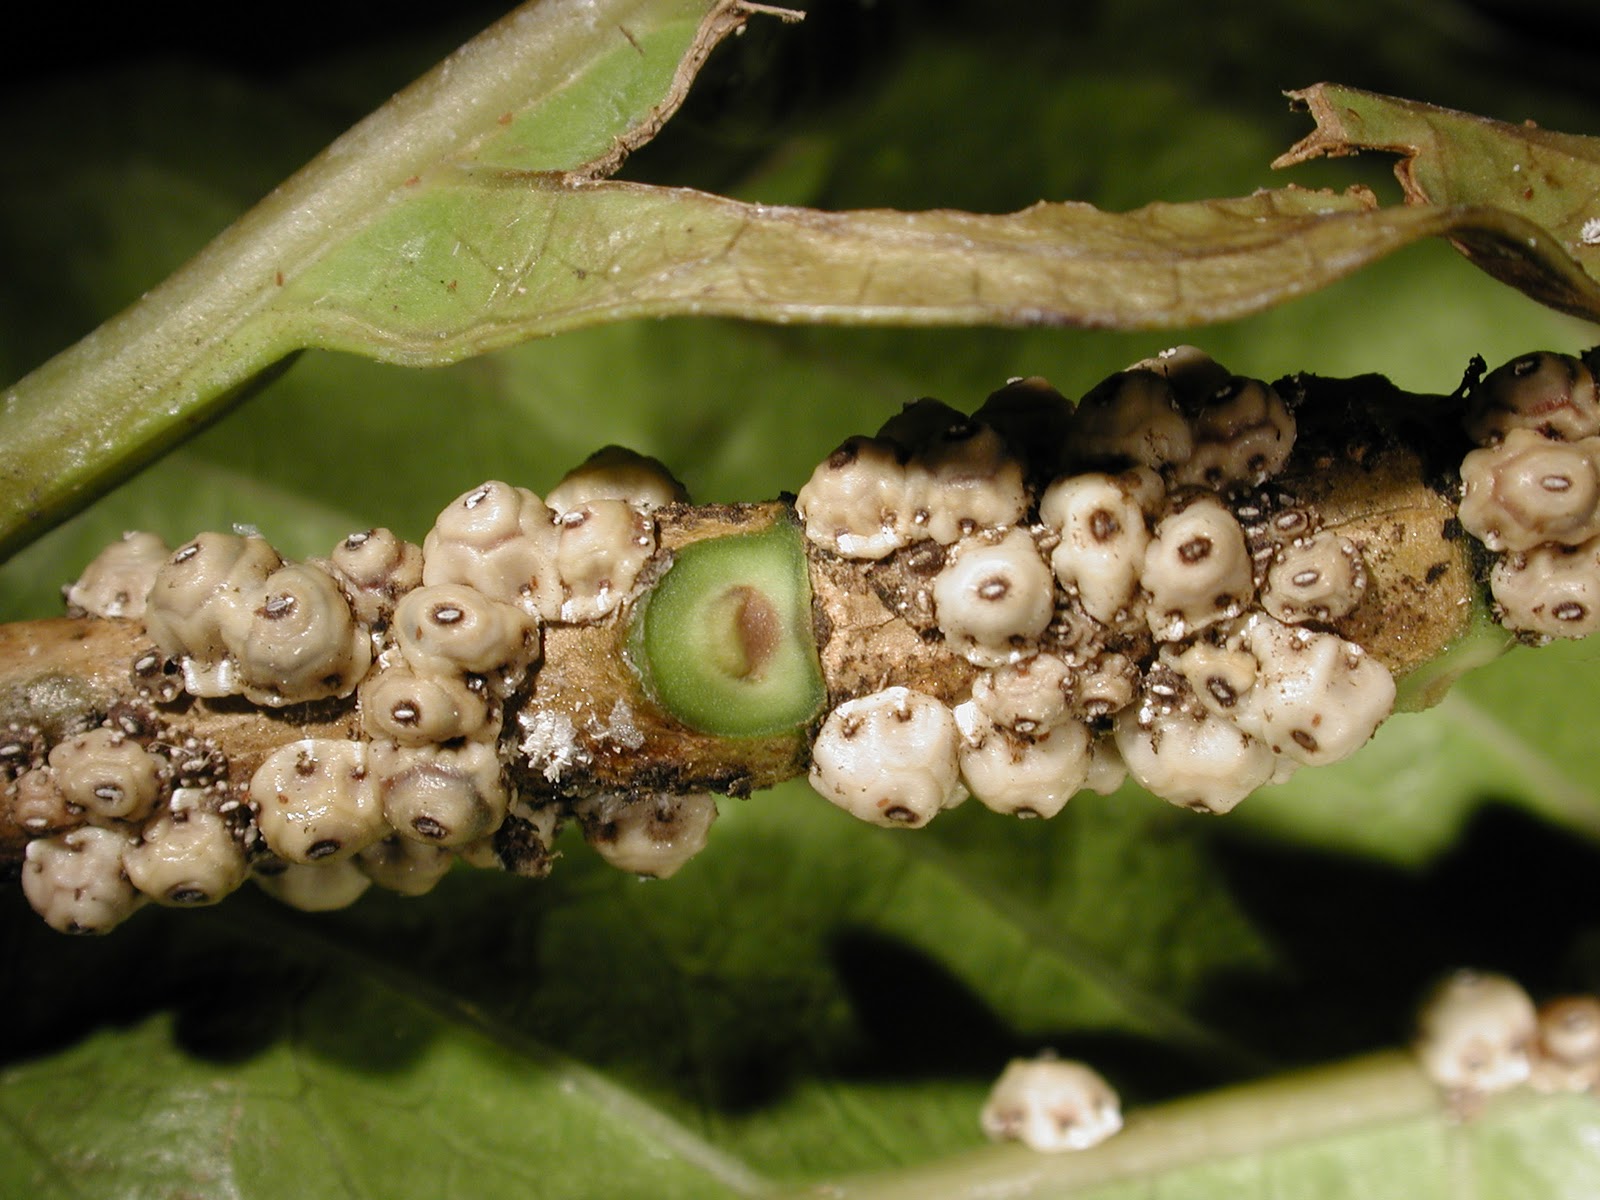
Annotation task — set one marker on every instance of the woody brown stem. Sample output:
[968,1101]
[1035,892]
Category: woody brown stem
[585,722]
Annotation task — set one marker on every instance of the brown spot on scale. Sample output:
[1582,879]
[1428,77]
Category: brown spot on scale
[994,589]
[429,828]
[277,607]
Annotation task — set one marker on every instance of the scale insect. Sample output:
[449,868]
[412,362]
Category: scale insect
[1186,579]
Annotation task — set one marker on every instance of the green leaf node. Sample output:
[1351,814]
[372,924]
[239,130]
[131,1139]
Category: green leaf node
[724,642]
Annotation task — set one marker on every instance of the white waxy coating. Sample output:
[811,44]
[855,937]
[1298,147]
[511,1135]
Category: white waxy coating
[75,880]
[405,865]
[38,806]
[1567,1054]
[604,545]
[617,473]
[1133,416]
[1101,520]
[377,567]
[1317,698]
[1243,433]
[1197,570]
[444,795]
[651,835]
[117,580]
[314,887]
[315,802]
[302,641]
[854,501]
[994,597]
[186,859]
[963,481]
[1318,578]
[1197,761]
[418,708]
[1551,590]
[1476,1032]
[107,774]
[1553,394]
[1107,684]
[480,855]
[446,628]
[196,582]
[500,540]
[1025,696]
[1107,771]
[1051,1105]
[1220,677]
[201,601]
[1024,776]
[890,758]
[1527,490]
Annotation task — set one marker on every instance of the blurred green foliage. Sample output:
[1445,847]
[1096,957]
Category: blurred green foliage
[810,997]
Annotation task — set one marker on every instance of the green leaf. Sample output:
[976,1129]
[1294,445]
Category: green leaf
[508,101]
[1369,1128]
[1544,183]
[542,256]
[470,213]
[412,1102]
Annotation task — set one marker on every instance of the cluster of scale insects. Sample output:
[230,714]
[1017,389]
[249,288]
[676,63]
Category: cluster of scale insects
[1138,613]
[433,640]
[1139,604]
[1148,606]
[1479,1034]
